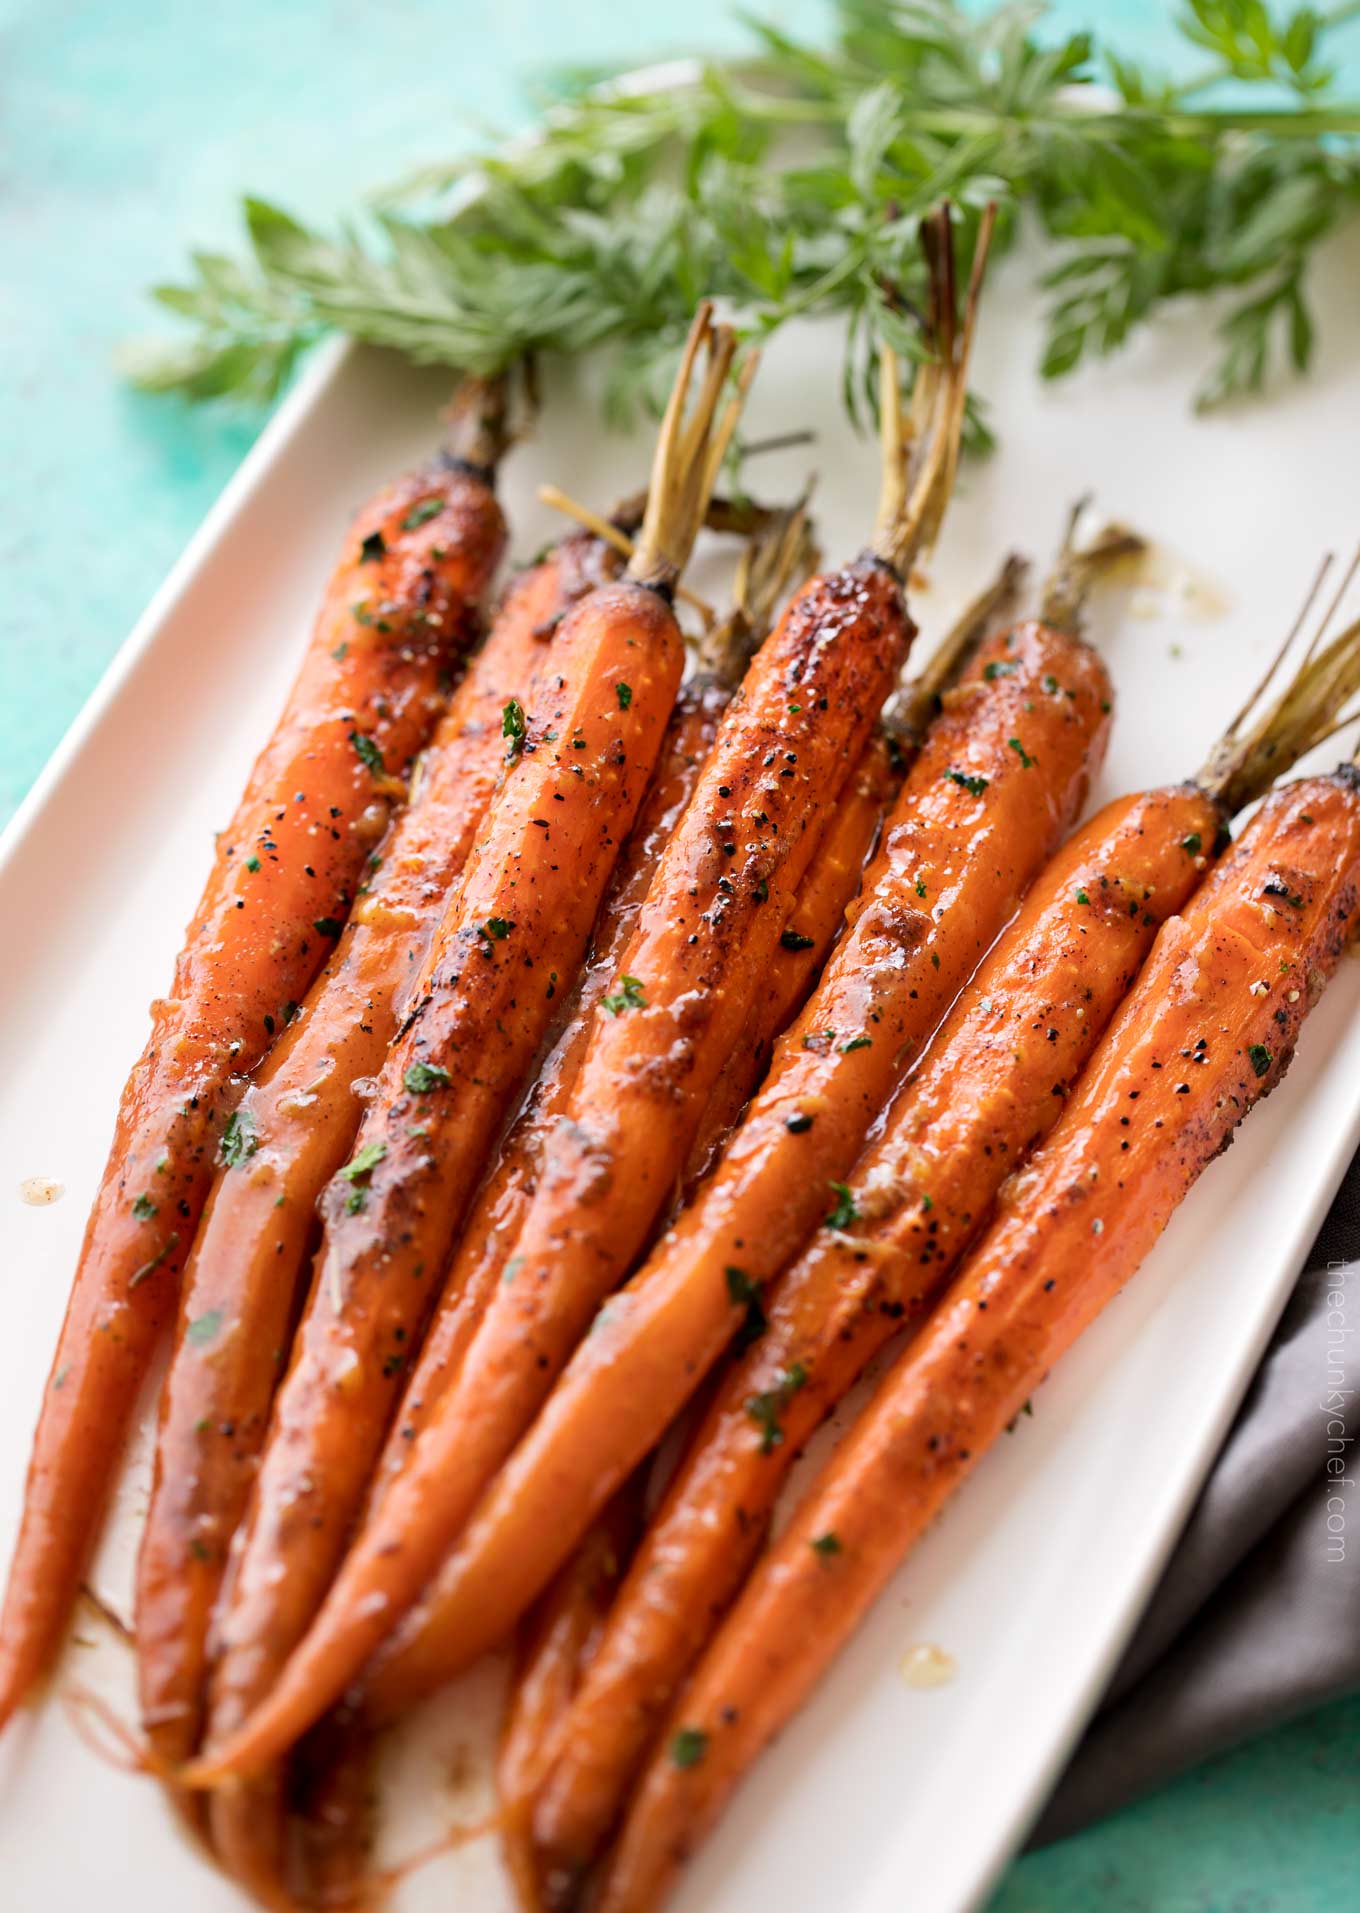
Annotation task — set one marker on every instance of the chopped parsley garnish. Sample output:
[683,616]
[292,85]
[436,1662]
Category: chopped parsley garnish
[139,1276]
[1082,897]
[745,1294]
[625,692]
[764,1409]
[327,926]
[204,1327]
[373,547]
[1026,761]
[238,1138]
[973,785]
[795,940]
[422,513]
[827,1543]
[421,1078]
[920,886]
[628,996]
[252,864]
[1051,684]
[512,725]
[1192,844]
[368,752]
[143,1208]
[856,1042]
[845,1211]
[495,929]
[361,1167]
[1260,1058]
[688,1746]
[999,668]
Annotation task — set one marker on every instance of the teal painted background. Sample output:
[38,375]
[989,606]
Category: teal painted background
[129,129]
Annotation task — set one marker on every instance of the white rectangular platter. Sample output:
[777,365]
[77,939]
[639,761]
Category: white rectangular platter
[881,1795]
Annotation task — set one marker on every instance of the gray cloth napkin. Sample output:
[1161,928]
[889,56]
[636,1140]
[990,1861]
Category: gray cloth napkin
[1255,1619]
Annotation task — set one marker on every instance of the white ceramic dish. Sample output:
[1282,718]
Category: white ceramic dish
[881,1795]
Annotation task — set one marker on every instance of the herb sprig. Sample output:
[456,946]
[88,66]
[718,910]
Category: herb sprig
[793,183]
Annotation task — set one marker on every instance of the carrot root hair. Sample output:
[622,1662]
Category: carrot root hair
[1266,738]
[133,1755]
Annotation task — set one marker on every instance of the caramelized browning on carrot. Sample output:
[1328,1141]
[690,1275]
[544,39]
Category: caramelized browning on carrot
[398,613]
[1209,1029]
[702,944]
[296,1125]
[973,825]
[992,1084]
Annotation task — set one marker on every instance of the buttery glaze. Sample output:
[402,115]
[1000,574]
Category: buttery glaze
[398,613]
[927,1665]
[39,1192]
[1189,1053]
[259,1224]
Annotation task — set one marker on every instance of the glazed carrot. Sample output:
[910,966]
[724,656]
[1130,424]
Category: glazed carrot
[398,613]
[778,556]
[557,1640]
[509,945]
[1209,1029]
[297,1123]
[704,940]
[990,1088]
[833,878]
[973,825]
[252,1823]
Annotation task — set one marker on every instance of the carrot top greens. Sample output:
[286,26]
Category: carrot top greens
[793,180]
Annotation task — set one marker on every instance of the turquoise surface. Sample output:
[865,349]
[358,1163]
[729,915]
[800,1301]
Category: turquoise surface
[130,129]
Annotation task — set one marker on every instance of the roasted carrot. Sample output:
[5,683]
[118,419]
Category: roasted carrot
[297,1123]
[833,878]
[991,1086]
[1209,1029]
[704,939]
[777,550]
[509,944]
[398,613]
[777,557]
[557,1640]
[973,825]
